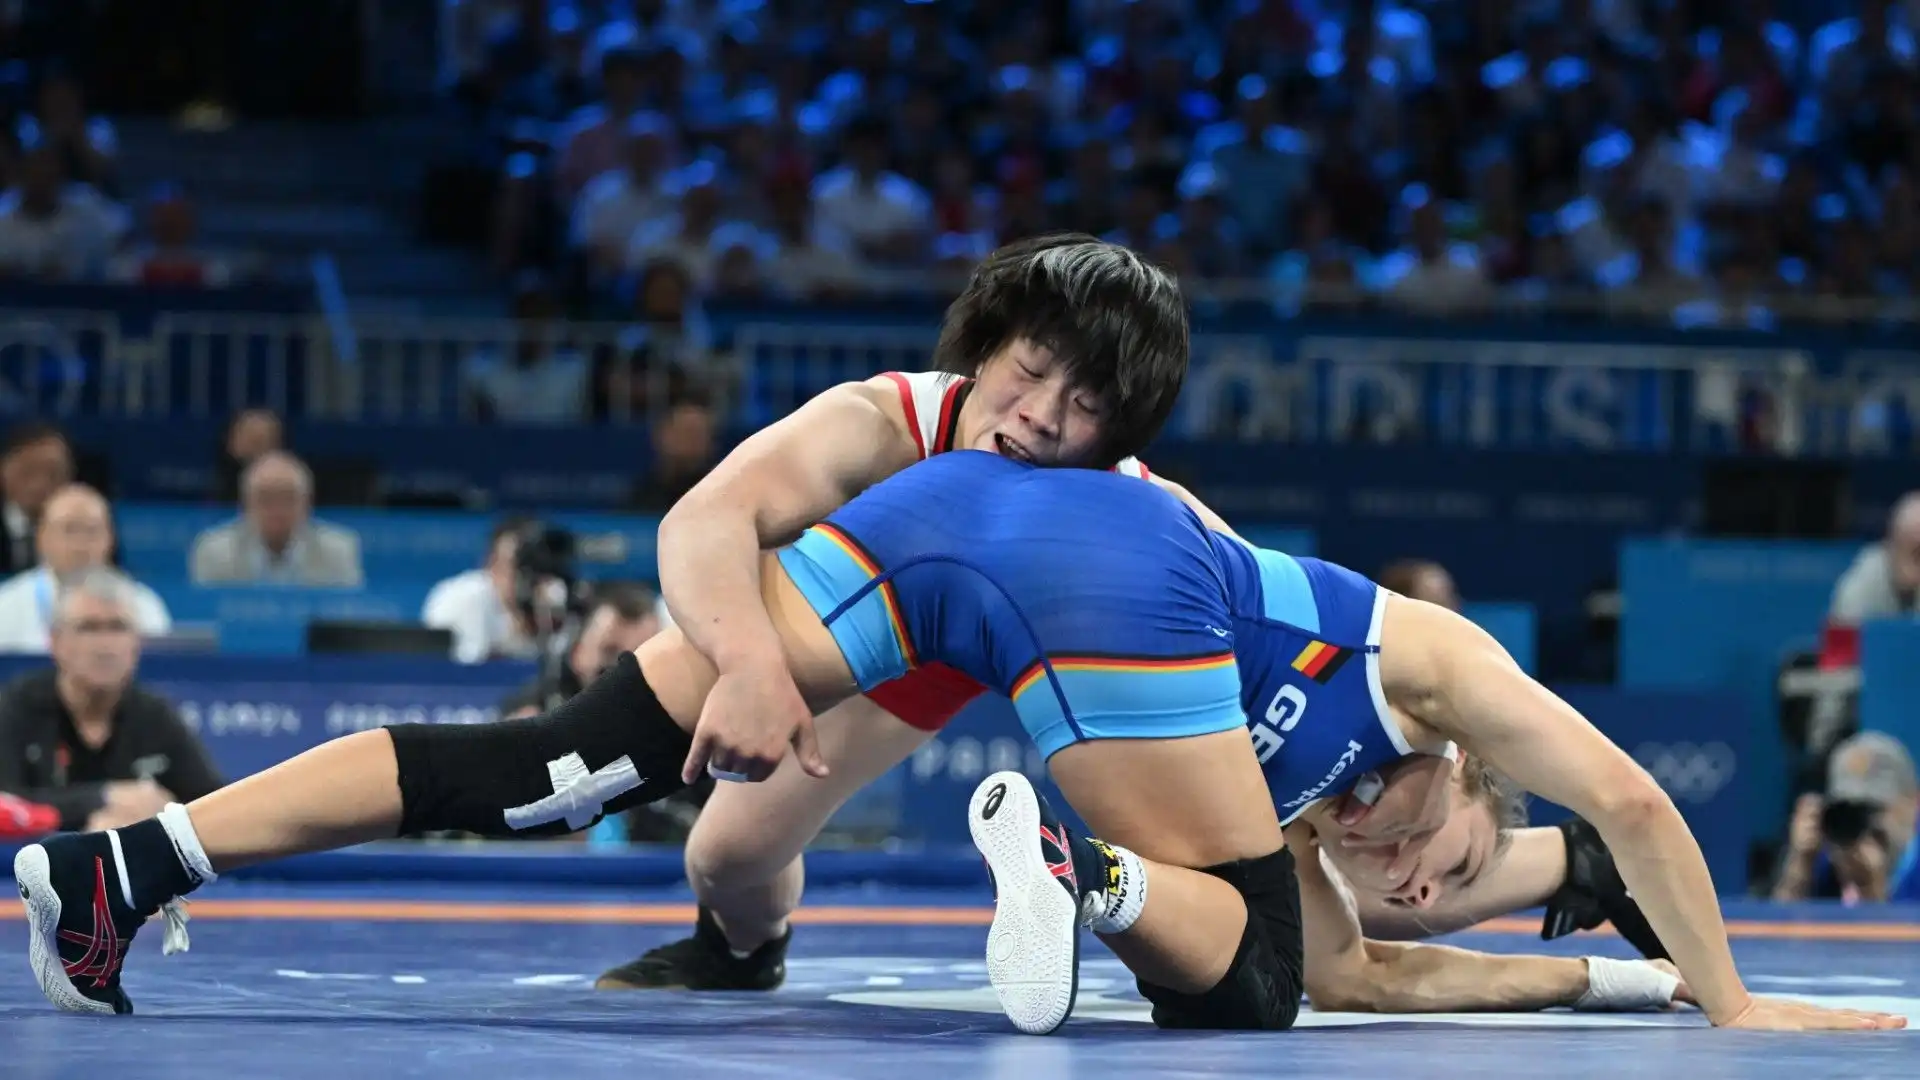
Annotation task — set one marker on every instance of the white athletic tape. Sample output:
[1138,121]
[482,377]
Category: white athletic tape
[578,795]
[1625,985]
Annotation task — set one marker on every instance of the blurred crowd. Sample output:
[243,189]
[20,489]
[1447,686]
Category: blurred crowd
[66,214]
[1711,158]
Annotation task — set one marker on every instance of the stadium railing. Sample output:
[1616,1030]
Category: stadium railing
[1491,378]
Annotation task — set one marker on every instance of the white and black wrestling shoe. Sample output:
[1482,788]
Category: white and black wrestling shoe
[1033,947]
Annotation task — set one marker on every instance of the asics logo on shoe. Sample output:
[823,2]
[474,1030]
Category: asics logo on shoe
[992,805]
[105,950]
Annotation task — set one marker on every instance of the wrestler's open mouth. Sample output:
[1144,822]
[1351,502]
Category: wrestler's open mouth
[1350,811]
[1006,447]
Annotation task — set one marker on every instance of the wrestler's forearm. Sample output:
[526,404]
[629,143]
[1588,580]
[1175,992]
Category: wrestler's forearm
[709,559]
[1411,978]
[1663,869]
[1531,870]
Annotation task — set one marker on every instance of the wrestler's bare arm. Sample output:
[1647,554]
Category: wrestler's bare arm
[1207,517]
[1346,972]
[1454,677]
[771,487]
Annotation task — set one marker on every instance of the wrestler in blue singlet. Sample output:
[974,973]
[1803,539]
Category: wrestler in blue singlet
[1104,608]
[1307,639]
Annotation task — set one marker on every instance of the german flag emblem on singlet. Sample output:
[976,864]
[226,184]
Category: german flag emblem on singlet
[1319,660]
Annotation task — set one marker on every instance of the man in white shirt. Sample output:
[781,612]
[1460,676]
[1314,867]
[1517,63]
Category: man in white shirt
[1432,274]
[53,230]
[276,540]
[75,534]
[478,606]
[887,216]
[615,204]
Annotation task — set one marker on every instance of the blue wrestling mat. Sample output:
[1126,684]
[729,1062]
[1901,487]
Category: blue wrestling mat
[312,981]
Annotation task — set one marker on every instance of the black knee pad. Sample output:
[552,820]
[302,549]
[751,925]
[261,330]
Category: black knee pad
[1261,990]
[608,749]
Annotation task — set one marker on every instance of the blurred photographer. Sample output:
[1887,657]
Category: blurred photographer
[580,630]
[619,619]
[479,606]
[1856,842]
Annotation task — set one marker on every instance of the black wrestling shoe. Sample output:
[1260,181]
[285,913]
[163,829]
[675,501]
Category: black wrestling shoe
[1033,946]
[702,962]
[80,919]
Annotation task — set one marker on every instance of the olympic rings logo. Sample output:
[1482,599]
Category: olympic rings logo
[1689,772]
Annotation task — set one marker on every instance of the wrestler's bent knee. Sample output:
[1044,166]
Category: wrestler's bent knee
[610,748]
[1261,989]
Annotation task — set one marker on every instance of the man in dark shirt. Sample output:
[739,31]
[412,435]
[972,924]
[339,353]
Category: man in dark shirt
[81,736]
[35,463]
[683,453]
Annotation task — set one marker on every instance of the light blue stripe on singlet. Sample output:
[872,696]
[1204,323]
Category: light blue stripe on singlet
[1286,594]
[826,575]
[1132,704]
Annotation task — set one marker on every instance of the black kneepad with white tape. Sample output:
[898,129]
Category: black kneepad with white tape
[608,749]
[1261,990]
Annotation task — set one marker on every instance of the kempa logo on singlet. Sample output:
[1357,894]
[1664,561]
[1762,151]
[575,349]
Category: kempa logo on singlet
[1346,759]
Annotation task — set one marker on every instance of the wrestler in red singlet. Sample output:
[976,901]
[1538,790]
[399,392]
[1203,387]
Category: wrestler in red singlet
[931,695]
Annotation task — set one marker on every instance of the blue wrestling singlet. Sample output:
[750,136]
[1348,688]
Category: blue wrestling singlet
[1150,626]
[1095,602]
[1307,639]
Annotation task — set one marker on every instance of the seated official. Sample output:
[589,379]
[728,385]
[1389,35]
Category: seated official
[74,533]
[276,539]
[81,735]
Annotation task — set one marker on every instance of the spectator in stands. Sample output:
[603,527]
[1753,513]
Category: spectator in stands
[53,230]
[543,380]
[276,540]
[596,138]
[887,216]
[37,462]
[1421,579]
[945,133]
[251,433]
[1856,841]
[479,606]
[1432,274]
[684,450]
[807,264]
[686,236]
[667,344]
[75,535]
[170,256]
[615,204]
[1882,583]
[86,144]
[82,735]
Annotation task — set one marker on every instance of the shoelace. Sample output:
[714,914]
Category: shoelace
[175,938]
